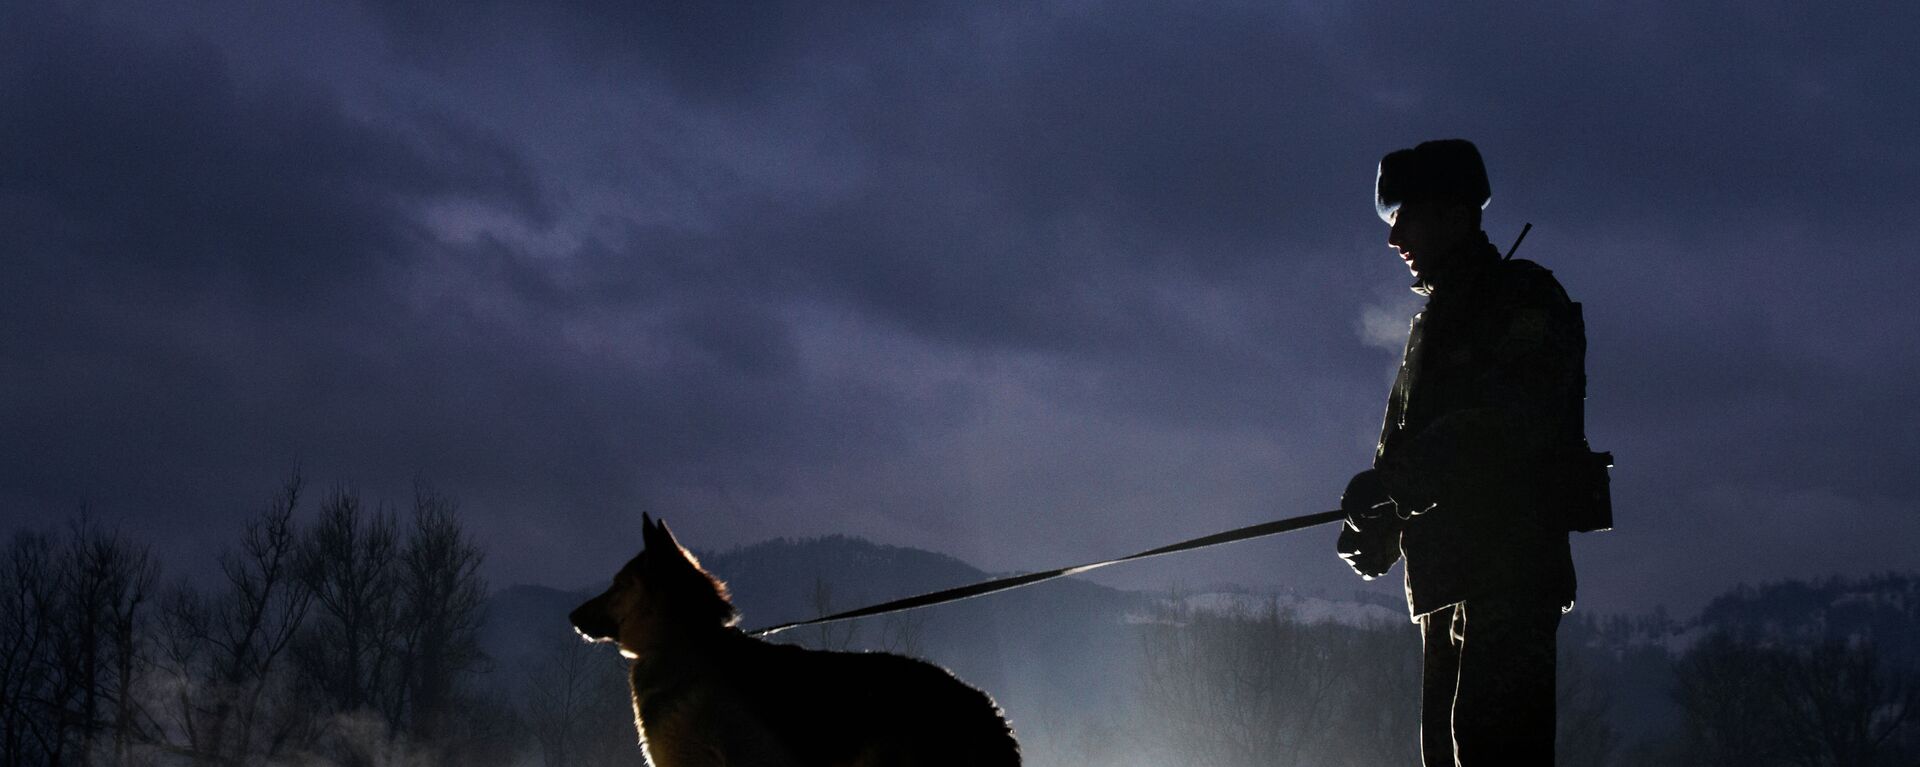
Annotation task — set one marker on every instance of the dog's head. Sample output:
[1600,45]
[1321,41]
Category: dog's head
[661,592]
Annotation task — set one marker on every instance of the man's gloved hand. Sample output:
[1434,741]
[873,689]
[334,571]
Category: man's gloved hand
[1371,554]
[1370,540]
[1366,502]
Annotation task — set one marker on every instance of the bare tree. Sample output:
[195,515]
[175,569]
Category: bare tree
[1834,704]
[226,652]
[105,583]
[72,658]
[444,602]
[1376,713]
[903,633]
[576,706]
[844,635]
[1845,707]
[1239,687]
[1728,692]
[346,651]
[393,625]
[131,572]
[79,628]
[1585,736]
[27,604]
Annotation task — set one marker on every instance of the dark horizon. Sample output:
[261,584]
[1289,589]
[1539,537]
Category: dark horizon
[1028,286]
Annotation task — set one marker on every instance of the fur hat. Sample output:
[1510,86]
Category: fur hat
[1446,169]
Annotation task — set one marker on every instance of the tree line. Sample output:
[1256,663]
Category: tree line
[342,639]
[1747,700]
[1248,685]
[336,632]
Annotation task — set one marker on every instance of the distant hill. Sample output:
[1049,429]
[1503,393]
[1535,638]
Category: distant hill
[1635,654]
[775,581]
[1884,609]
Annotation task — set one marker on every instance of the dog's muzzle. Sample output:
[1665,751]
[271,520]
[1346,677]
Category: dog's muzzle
[592,621]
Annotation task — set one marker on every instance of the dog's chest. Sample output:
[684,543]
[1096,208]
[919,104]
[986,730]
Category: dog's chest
[701,728]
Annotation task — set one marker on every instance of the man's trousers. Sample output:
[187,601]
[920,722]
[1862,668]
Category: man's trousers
[1486,687]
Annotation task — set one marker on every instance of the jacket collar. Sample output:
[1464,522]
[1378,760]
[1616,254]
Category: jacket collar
[1464,264]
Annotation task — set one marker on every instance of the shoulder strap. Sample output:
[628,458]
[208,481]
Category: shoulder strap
[1516,241]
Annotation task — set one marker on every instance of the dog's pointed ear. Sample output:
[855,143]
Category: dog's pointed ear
[650,532]
[664,536]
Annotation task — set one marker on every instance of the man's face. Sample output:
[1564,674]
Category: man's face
[1425,232]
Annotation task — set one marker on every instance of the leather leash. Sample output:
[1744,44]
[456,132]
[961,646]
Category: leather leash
[1275,527]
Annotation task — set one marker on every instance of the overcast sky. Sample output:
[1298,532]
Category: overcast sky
[1029,284]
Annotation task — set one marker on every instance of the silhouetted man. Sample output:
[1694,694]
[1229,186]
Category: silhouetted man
[1464,483]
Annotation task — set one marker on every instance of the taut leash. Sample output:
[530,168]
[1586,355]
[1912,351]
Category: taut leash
[1276,527]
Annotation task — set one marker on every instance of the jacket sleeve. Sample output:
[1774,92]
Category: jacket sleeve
[1509,415]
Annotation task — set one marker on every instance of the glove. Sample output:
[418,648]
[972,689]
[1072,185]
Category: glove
[1370,540]
[1370,554]
[1366,502]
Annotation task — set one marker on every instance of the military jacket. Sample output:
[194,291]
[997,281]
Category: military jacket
[1488,392]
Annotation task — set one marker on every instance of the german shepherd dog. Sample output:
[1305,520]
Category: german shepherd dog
[705,694]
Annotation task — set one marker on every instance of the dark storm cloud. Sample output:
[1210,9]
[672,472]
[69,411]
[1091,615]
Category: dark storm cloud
[1029,179]
[151,154]
[215,273]
[705,52]
[1732,113]
[1212,157]
[930,270]
[175,234]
